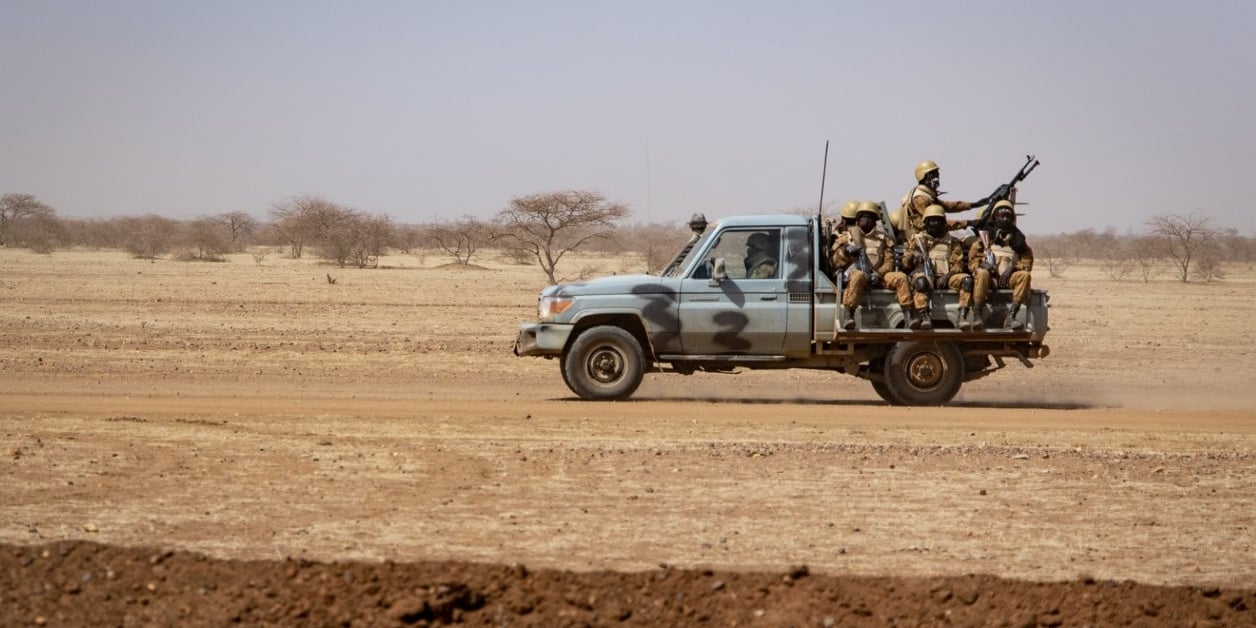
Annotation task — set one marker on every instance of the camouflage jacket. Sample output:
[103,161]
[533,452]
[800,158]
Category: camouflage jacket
[1004,257]
[913,212]
[877,245]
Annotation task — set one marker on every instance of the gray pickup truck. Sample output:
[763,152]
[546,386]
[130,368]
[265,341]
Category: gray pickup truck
[712,310]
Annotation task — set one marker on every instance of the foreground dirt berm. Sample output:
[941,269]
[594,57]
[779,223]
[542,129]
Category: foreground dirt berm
[80,584]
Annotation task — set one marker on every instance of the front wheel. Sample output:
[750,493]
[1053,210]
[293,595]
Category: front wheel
[604,363]
[924,373]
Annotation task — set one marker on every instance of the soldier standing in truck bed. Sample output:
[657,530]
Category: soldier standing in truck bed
[944,256]
[1008,265]
[863,241]
[909,219]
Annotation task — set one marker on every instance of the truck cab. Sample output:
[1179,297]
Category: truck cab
[755,292]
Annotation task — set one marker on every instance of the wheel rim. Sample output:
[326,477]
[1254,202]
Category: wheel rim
[606,365]
[925,370]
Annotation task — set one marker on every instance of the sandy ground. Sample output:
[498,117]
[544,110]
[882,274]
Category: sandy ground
[260,413]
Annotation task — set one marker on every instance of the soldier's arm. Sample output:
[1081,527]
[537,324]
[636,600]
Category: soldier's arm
[887,258]
[957,256]
[1025,261]
[839,257]
[952,207]
[976,255]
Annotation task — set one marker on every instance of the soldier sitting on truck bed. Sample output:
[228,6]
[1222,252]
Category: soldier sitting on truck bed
[935,260]
[863,255]
[1007,263]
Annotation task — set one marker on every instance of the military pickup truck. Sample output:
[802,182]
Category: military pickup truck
[715,308]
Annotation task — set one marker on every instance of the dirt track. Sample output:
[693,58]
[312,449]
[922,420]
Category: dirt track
[261,413]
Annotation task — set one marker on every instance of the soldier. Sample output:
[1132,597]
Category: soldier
[1007,264]
[760,256]
[942,254]
[909,219]
[863,241]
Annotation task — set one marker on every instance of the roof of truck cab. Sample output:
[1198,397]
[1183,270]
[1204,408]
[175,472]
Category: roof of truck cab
[765,220]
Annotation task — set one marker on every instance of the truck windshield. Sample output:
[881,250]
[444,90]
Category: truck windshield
[686,254]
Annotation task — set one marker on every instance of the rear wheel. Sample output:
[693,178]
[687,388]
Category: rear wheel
[603,363]
[924,373]
[883,391]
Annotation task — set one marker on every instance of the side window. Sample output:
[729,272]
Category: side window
[748,254]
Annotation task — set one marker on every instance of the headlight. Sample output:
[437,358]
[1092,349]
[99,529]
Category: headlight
[549,307]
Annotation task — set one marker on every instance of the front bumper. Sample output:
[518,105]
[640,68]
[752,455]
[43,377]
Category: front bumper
[545,339]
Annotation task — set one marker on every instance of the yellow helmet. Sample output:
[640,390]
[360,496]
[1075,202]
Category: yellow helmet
[924,168]
[896,219]
[1003,206]
[849,210]
[935,210]
[868,207]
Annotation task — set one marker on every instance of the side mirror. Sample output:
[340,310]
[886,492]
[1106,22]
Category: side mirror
[718,272]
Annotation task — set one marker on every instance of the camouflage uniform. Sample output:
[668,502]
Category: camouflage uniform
[879,249]
[946,254]
[910,219]
[1011,269]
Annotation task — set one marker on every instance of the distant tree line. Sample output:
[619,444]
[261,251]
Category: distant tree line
[542,229]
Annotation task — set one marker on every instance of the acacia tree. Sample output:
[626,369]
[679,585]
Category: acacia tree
[460,238]
[16,208]
[548,226]
[239,227]
[1186,238]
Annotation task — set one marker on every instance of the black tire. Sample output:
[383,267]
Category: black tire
[924,373]
[604,363]
[883,391]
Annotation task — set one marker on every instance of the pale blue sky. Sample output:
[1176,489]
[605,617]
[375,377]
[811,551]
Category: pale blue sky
[436,109]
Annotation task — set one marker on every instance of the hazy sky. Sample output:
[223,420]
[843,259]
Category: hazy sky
[439,109]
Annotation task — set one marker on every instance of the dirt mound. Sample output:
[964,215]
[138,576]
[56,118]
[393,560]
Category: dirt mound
[76,583]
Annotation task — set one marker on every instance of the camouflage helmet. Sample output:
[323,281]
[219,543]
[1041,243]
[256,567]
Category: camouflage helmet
[935,211]
[924,168]
[868,207]
[849,211]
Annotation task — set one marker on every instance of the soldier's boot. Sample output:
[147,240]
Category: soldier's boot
[964,323]
[979,317]
[1012,322]
[925,320]
[850,318]
[913,317]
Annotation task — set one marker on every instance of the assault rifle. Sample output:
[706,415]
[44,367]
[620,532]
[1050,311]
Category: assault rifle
[985,241]
[857,239]
[925,261]
[1004,191]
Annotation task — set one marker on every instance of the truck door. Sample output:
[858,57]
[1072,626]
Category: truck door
[745,313]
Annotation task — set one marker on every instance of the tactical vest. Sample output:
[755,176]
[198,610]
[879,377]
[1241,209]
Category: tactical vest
[873,246]
[940,255]
[1004,257]
[913,222]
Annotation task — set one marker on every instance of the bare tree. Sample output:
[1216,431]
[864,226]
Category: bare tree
[460,238]
[239,227]
[1185,238]
[15,208]
[656,243]
[553,224]
[206,239]
[297,222]
[1058,258]
[1145,251]
[149,237]
[372,237]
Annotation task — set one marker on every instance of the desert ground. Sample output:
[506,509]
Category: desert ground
[205,443]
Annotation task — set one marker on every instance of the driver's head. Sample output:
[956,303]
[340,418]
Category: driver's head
[758,242]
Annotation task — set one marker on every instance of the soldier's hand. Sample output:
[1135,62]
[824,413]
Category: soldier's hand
[981,202]
[1005,279]
[874,279]
[853,249]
